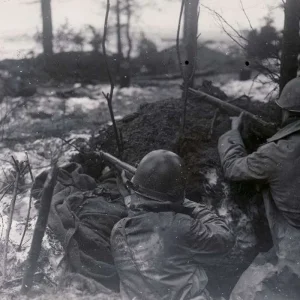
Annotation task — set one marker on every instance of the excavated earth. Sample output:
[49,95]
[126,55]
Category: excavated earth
[156,126]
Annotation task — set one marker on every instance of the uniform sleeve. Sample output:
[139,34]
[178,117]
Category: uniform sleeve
[239,166]
[209,237]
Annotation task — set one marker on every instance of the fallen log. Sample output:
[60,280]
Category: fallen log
[233,110]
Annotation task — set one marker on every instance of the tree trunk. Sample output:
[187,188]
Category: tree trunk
[47,29]
[290,47]
[119,37]
[125,72]
[190,38]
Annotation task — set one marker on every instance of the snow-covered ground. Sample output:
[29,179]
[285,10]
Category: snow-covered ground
[28,129]
[39,154]
[261,88]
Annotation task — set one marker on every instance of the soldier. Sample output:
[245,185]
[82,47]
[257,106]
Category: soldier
[277,165]
[159,248]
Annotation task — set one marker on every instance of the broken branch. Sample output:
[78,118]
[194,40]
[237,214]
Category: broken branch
[39,230]
[212,125]
[12,208]
[29,205]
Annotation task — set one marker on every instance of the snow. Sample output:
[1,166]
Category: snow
[49,105]
[84,104]
[116,118]
[42,149]
[132,91]
[212,177]
[259,89]
[39,153]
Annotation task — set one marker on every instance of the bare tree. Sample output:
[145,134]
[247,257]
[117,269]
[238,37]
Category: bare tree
[291,42]
[119,35]
[128,9]
[290,47]
[47,29]
[187,73]
[190,37]
[109,96]
[124,8]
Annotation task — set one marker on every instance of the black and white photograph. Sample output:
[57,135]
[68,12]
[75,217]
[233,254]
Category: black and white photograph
[150,149]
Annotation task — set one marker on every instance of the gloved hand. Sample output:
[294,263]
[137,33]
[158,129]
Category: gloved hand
[237,122]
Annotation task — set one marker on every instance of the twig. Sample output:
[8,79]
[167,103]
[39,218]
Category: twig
[246,15]
[6,187]
[221,21]
[250,90]
[12,208]
[29,168]
[39,230]
[6,190]
[5,174]
[29,206]
[226,22]
[16,164]
[70,144]
[271,93]
[271,74]
[2,226]
[109,96]
[7,161]
[212,125]
[17,281]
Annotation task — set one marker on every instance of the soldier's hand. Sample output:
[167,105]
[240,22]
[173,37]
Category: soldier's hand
[237,122]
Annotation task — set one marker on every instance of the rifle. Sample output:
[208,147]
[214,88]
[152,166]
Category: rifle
[117,163]
[267,128]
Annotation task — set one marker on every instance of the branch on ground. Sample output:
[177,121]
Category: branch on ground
[39,230]
[19,168]
[29,206]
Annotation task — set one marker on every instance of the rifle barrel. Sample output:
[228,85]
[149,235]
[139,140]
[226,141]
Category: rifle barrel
[115,161]
[229,108]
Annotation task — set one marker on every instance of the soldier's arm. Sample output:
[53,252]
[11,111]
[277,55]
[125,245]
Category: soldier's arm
[238,166]
[208,236]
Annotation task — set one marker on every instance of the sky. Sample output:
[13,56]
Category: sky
[20,19]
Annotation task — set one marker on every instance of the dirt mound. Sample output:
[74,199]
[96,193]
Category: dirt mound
[156,126]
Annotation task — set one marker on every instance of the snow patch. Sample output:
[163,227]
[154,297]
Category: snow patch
[223,210]
[212,177]
[116,118]
[85,104]
[259,89]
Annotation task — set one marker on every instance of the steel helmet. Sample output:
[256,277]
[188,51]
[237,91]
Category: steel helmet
[290,96]
[160,176]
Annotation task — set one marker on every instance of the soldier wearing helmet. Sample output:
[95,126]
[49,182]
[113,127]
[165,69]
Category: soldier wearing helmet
[158,249]
[276,164]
